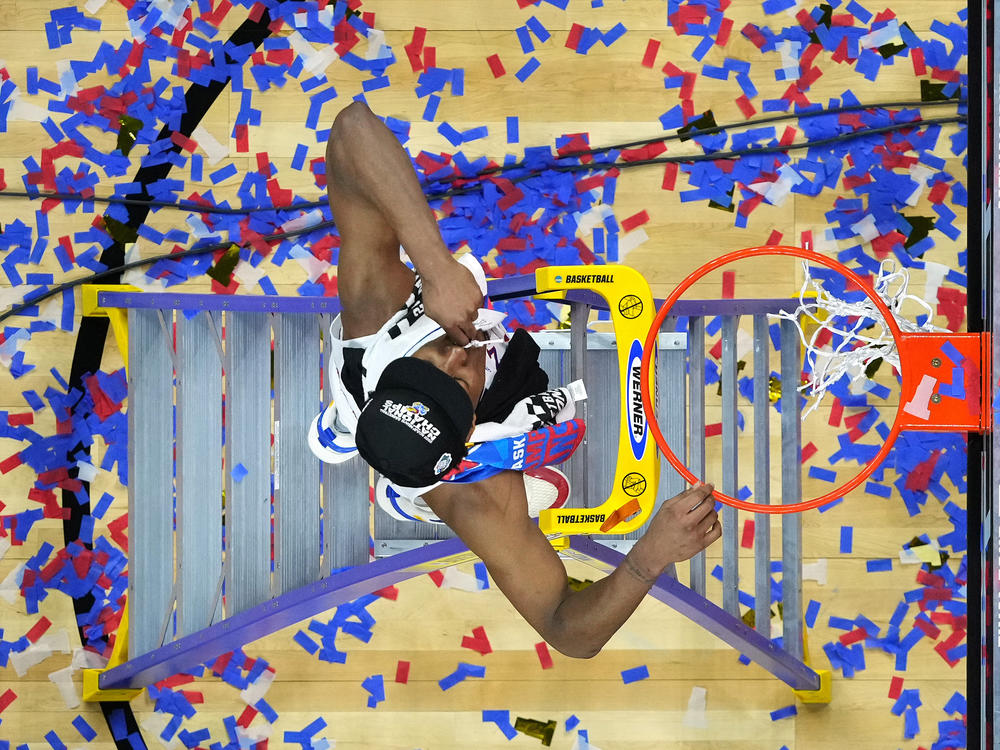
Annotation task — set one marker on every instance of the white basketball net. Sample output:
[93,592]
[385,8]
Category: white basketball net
[856,348]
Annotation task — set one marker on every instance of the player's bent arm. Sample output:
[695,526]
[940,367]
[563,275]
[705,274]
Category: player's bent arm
[378,205]
[491,518]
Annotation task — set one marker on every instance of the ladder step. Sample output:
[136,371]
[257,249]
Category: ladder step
[248,449]
[150,486]
[296,470]
[199,472]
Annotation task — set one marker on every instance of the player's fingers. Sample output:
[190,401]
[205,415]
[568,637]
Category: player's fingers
[458,335]
[696,497]
[469,329]
[702,516]
[713,534]
[709,523]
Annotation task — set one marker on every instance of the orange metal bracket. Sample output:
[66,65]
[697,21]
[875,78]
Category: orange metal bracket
[945,388]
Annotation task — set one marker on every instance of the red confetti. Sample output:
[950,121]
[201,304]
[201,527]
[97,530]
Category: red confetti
[854,636]
[669,176]
[805,20]
[68,247]
[747,205]
[7,698]
[945,646]
[774,238]
[437,576]
[746,540]
[746,106]
[117,528]
[402,671]
[496,66]
[687,88]
[175,680]
[725,29]
[264,164]
[855,419]
[938,192]
[808,451]
[430,57]
[795,95]
[930,629]
[544,656]
[218,15]
[836,412]
[221,663]
[512,243]
[808,78]
[185,143]
[478,642]
[918,479]
[246,717]
[19,420]
[635,220]
[573,39]
[38,629]
[649,58]
[419,34]
[680,18]
[716,350]
[589,183]
[752,33]
[242,135]
[389,592]
[711,430]
[728,284]
[917,58]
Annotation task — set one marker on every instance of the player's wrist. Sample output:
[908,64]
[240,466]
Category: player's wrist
[639,565]
[434,262]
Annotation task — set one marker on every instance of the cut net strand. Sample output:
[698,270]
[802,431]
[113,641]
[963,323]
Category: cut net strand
[840,341]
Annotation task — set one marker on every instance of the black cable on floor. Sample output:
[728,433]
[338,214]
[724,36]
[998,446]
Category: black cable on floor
[92,337]
[683,134]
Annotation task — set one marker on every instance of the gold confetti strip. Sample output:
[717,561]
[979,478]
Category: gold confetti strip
[127,133]
[119,231]
[578,585]
[223,270]
[773,389]
[542,730]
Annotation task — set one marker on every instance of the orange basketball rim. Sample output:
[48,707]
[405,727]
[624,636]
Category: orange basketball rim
[920,357]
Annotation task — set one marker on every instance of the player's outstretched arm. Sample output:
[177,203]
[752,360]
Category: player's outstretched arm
[378,205]
[491,518]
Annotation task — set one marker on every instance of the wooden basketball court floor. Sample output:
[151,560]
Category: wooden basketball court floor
[610,95]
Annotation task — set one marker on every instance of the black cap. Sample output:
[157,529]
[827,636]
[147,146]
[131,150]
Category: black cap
[413,428]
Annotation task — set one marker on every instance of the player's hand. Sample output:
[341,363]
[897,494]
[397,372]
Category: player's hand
[452,299]
[683,526]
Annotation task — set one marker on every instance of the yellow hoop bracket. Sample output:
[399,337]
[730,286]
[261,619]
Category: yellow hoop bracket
[637,470]
[117,315]
[825,692]
[119,655]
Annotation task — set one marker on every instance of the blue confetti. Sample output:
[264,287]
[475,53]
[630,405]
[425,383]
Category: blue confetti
[635,674]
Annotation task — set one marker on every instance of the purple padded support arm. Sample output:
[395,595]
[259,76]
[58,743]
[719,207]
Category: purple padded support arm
[288,609]
[497,289]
